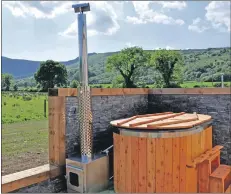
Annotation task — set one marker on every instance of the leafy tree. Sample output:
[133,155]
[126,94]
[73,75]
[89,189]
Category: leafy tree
[25,84]
[74,84]
[6,81]
[127,62]
[51,73]
[118,82]
[15,87]
[169,64]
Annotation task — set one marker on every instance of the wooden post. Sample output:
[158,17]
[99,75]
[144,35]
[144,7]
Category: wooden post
[57,129]
[45,108]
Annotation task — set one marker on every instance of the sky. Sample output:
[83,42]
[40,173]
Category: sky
[42,30]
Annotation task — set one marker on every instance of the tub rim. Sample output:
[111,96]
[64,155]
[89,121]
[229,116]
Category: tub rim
[164,133]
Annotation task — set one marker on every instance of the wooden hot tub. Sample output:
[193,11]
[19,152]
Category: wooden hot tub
[152,153]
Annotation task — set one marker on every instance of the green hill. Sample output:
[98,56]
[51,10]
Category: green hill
[200,65]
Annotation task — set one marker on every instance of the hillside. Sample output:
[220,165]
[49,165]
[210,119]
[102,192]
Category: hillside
[21,68]
[200,65]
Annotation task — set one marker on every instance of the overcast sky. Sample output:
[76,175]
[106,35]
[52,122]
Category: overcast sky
[41,30]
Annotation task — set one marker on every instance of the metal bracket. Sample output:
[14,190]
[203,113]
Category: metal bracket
[106,151]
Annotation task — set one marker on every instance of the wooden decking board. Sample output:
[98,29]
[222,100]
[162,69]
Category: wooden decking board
[28,177]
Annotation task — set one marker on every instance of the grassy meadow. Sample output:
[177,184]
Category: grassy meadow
[24,131]
[24,145]
[23,106]
[187,84]
[192,84]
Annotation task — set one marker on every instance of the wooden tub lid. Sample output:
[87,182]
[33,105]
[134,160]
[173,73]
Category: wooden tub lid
[165,120]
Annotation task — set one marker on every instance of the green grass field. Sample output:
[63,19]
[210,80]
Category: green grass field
[24,131]
[188,84]
[23,106]
[24,145]
[24,137]
[202,84]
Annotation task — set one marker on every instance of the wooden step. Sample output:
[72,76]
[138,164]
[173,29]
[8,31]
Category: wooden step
[228,190]
[220,179]
[205,169]
[205,156]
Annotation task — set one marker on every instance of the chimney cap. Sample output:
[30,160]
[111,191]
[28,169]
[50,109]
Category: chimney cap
[81,7]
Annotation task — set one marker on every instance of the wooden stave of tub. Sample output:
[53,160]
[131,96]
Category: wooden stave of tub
[144,161]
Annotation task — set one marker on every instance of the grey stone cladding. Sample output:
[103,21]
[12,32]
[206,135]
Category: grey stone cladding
[216,105]
[104,110]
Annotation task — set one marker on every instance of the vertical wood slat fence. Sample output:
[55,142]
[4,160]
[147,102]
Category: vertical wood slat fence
[158,164]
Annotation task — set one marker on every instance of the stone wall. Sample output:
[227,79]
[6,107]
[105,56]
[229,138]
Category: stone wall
[216,105]
[104,110]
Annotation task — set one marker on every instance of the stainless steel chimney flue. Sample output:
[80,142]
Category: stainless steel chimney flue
[84,94]
[86,173]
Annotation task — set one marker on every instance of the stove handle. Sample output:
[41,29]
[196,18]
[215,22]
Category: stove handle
[106,151]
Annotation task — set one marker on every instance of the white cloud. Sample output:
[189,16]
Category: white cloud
[102,20]
[218,13]
[71,31]
[39,9]
[217,16]
[167,48]
[148,15]
[198,26]
[135,20]
[16,11]
[49,2]
[173,4]
[129,44]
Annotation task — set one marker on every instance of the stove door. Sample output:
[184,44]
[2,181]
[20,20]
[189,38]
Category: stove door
[75,179]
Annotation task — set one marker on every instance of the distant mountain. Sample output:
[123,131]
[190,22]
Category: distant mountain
[21,68]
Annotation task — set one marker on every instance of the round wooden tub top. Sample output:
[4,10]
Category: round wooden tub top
[165,120]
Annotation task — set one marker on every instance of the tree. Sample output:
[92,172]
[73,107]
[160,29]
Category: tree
[127,62]
[15,87]
[117,82]
[169,63]
[51,73]
[6,81]
[25,84]
[74,84]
